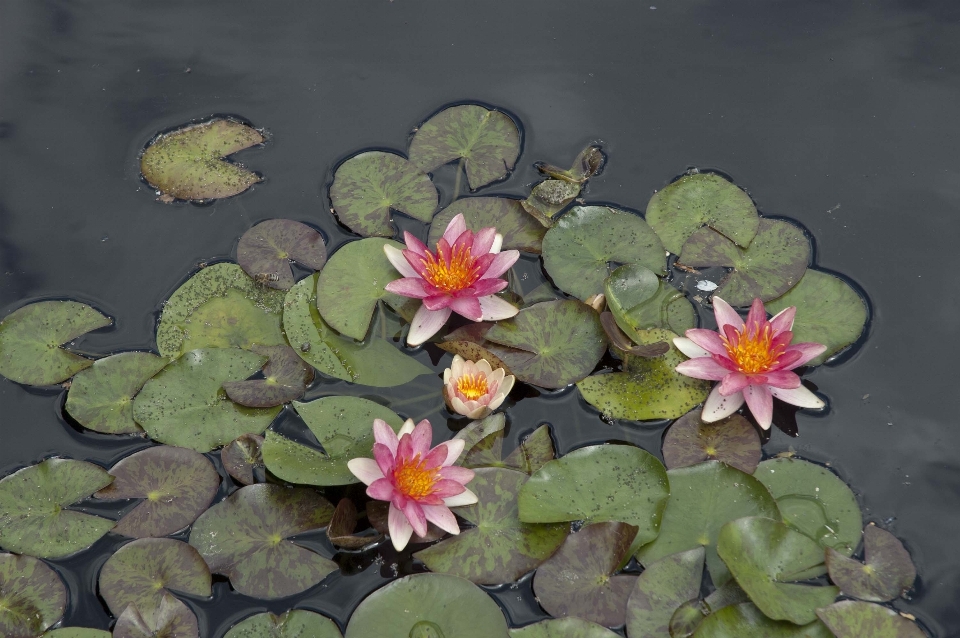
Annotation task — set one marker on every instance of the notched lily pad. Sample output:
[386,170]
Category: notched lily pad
[733,440]
[171,618]
[519,230]
[31,340]
[32,596]
[242,456]
[661,589]
[854,619]
[285,378]
[296,623]
[188,163]
[101,397]
[746,621]
[887,573]
[368,186]
[563,628]
[533,451]
[477,431]
[266,250]
[342,526]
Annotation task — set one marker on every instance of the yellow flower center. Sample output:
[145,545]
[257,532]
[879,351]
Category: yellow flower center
[753,353]
[414,480]
[460,273]
[472,386]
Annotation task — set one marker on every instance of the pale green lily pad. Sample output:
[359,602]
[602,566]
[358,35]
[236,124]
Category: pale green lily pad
[77,632]
[733,440]
[368,186]
[32,596]
[499,549]
[771,265]
[520,231]
[101,397]
[702,499]
[692,201]
[829,311]
[142,572]
[533,451]
[242,537]
[220,307]
[296,623]
[31,339]
[661,589]
[342,425]
[185,405]
[746,621]
[34,521]
[638,302]
[171,619]
[887,574]
[266,250]
[854,619]
[649,388]
[188,163]
[766,558]
[578,250]
[455,607]
[488,141]
[563,628]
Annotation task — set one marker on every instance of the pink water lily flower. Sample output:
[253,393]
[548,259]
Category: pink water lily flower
[462,276]
[475,390]
[752,361]
[420,483]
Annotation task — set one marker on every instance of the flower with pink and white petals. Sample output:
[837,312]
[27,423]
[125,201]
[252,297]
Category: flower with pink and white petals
[752,360]
[420,483]
[462,276]
[475,390]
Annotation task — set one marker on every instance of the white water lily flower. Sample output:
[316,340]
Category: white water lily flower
[475,390]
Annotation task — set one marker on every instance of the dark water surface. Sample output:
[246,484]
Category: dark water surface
[841,115]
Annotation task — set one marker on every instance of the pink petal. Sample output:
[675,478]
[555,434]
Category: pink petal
[733,383]
[494,308]
[487,287]
[787,361]
[384,435]
[386,460]
[501,264]
[799,396]
[381,490]
[719,407]
[756,317]
[726,316]
[454,229]
[435,457]
[437,302]
[446,488]
[456,473]
[466,498]
[443,251]
[689,348]
[414,245]
[783,320]
[782,379]
[421,438]
[425,324]
[468,307]
[483,241]
[442,517]
[418,263]
[781,339]
[464,241]
[760,401]
[454,449]
[399,527]
[703,368]
[408,287]
[808,350]
[366,470]
[414,514]
[708,340]
[396,258]
[405,450]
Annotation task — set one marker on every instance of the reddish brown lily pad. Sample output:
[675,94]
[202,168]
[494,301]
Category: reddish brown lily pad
[663,587]
[732,440]
[242,456]
[285,379]
[266,250]
[888,570]
[342,526]
[171,619]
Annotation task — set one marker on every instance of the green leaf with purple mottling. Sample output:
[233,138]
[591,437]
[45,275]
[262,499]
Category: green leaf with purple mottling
[854,619]
[266,250]
[285,378]
[746,621]
[661,589]
[171,619]
[296,623]
[241,456]
[563,628]
[888,572]
[520,231]
[32,596]
[534,450]
[101,397]
[733,440]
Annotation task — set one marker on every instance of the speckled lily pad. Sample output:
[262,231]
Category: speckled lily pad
[661,589]
[101,397]
[32,596]
[887,573]
[171,618]
[854,619]
[733,440]
[563,628]
[746,621]
[296,623]
[285,378]
[242,456]
[520,231]
[266,250]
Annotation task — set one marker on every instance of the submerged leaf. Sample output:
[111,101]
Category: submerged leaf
[101,397]
[32,596]
[888,572]
[266,250]
[242,456]
[661,589]
[285,378]
[519,230]
[854,619]
[732,440]
[296,623]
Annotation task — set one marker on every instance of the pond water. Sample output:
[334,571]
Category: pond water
[838,115]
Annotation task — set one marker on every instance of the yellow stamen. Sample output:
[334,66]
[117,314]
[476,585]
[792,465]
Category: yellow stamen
[473,386]
[753,352]
[414,480]
[460,273]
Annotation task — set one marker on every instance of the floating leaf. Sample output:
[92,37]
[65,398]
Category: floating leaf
[766,557]
[477,431]
[528,457]
[854,619]
[171,618]
[661,589]
[343,426]
[375,363]
[488,141]
[628,286]
[520,231]
[77,632]
[578,249]
[648,388]
[771,265]
[579,579]
[184,404]
[220,307]
[702,499]
[499,549]
[548,198]
[177,485]
[285,379]
[188,163]
[620,341]
[829,311]
[32,596]
[639,302]
[101,397]
[31,339]
[32,500]
[242,456]
[470,342]
[746,621]
[563,628]
[454,606]
[142,572]
[342,526]
[296,623]
[266,250]
[733,440]
[888,571]
[692,201]
[685,619]
[368,186]
[242,537]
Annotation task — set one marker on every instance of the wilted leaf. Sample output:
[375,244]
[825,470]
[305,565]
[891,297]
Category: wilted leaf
[296,623]
[32,596]
[342,526]
[101,397]
[519,230]
[854,619]
[285,378]
[661,589]
[266,250]
[241,456]
[732,440]
[888,572]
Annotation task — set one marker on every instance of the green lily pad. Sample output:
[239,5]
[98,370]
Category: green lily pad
[829,311]
[565,338]
[628,286]
[599,483]
[374,363]
[649,388]
[685,620]
[499,549]
[533,451]
[171,618]
[733,440]
[702,499]
[296,623]
[814,501]
[702,199]
[188,163]
[746,621]
[142,572]
[220,307]
[639,302]
[31,339]
[34,521]
[477,431]
[454,606]
[342,526]
[661,589]
[101,397]
[177,485]
[520,231]
[563,628]
[32,596]
[242,456]
[368,186]
[266,250]
[624,345]
[285,378]
[77,632]
[184,404]
[888,572]
[578,249]
[242,537]
[771,265]
[766,557]
[854,619]
[487,141]
[579,580]
[342,425]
